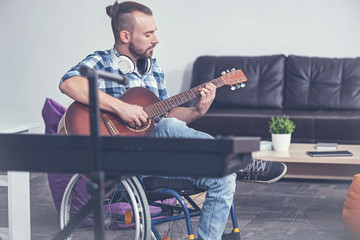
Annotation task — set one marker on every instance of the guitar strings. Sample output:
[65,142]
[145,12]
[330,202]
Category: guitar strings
[179,98]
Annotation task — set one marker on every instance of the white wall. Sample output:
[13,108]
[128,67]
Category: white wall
[41,39]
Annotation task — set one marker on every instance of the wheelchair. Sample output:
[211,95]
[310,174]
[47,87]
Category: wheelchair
[155,208]
[151,208]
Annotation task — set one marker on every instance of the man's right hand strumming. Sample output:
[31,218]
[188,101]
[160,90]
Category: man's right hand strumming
[133,115]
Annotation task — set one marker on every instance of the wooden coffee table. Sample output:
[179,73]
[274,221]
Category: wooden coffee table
[300,165]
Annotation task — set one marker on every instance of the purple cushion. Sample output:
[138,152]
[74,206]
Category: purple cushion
[52,112]
[57,184]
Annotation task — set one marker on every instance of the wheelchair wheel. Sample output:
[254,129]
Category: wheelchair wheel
[126,211]
[168,220]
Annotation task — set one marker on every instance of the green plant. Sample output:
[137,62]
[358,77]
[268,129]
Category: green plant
[281,125]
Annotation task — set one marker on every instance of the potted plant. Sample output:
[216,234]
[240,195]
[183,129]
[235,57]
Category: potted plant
[281,129]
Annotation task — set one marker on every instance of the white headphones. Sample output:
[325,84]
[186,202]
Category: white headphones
[126,64]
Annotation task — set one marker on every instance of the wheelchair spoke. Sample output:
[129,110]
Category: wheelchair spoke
[126,214]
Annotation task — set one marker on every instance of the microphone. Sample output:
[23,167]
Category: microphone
[92,73]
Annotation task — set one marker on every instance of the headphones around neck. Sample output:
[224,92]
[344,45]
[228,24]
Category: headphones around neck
[126,64]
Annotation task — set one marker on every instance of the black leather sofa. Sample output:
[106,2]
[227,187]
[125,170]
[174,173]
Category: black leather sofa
[321,96]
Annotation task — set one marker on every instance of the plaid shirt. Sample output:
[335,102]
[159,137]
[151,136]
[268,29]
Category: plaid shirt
[101,60]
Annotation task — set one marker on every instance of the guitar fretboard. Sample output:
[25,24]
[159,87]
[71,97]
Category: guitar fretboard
[164,106]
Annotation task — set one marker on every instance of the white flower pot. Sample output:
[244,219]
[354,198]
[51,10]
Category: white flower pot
[281,142]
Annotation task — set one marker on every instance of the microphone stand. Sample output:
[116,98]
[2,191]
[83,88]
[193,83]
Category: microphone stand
[96,187]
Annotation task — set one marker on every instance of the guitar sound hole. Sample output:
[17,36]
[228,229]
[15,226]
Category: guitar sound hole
[139,129]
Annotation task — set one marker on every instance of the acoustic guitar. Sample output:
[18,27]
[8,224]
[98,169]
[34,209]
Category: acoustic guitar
[76,119]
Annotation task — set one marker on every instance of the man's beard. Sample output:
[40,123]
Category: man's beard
[140,53]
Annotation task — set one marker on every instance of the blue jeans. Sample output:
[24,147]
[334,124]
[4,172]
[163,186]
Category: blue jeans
[220,191]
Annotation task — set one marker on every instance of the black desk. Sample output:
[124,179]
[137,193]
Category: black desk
[126,155]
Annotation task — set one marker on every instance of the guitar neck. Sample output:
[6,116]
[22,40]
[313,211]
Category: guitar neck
[164,106]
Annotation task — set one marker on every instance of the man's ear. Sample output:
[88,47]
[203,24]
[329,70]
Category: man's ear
[125,36]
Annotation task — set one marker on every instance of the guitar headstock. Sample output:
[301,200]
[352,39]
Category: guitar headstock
[235,78]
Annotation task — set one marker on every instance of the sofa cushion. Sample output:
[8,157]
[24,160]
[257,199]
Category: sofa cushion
[264,88]
[337,126]
[322,83]
[311,125]
[253,122]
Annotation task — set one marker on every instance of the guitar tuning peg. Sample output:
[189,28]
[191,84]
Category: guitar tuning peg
[227,71]
[233,69]
[242,85]
[233,88]
[223,73]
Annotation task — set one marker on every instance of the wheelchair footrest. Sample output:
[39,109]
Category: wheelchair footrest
[231,236]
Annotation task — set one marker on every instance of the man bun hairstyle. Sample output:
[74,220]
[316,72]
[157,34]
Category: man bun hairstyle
[121,16]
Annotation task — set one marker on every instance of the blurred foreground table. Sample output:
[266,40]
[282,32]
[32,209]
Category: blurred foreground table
[18,185]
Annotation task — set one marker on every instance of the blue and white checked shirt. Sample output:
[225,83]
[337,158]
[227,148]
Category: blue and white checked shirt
[101,60]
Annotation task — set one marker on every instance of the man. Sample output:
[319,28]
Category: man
[134,31]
